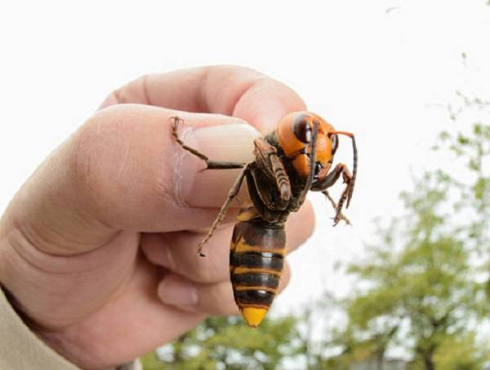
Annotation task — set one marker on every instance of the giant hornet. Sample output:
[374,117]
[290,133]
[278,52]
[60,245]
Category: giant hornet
[290,161]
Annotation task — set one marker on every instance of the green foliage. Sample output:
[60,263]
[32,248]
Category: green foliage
[152,362]
[470,142]
[458,353]
[228,343]
[461,353]
[421,283]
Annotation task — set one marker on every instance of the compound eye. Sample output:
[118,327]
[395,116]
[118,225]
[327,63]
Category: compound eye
[335,143]
[302,130]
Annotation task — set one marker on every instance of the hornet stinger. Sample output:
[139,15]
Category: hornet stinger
[290,161]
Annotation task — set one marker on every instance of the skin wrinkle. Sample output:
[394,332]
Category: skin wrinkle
[31,262]
[25,248]
[52,315]
[146,95]
[125,158]
[118,288]
[48,322]
[38,239]
[177,176]
[20,263]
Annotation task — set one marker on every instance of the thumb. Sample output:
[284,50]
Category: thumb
[123,170]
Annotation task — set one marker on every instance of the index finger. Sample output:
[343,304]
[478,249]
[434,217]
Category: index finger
[230,90]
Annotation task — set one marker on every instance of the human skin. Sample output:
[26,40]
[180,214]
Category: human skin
[98,247]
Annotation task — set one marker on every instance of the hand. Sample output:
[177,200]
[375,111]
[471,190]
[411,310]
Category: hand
[98,248]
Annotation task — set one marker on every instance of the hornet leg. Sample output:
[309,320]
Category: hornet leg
[332,177]
[222,213]
[211,165]
[334,205]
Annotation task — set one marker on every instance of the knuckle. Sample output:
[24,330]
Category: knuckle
[208,271]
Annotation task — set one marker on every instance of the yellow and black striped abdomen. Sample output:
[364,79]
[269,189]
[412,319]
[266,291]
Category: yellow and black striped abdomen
[256,264]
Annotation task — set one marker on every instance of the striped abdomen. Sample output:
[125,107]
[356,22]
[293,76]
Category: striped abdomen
[256,263]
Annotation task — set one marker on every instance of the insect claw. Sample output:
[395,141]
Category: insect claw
[340,217]
[200,251]
[176,120]
[348,201]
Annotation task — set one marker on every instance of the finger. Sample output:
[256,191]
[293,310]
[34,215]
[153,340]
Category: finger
[231,90]
[124,170]
[213,299]
[177,252]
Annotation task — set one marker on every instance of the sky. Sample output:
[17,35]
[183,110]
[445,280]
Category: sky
[383,69]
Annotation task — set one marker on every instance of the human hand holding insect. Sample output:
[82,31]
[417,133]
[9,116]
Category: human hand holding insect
[98,247]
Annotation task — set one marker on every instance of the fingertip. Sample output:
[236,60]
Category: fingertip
[266,102]
[251,95]
[213,299]
[177,291]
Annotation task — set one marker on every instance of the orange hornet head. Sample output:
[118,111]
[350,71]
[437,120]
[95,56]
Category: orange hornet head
[295,133]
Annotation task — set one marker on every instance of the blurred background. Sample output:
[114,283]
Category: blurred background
[405,287]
